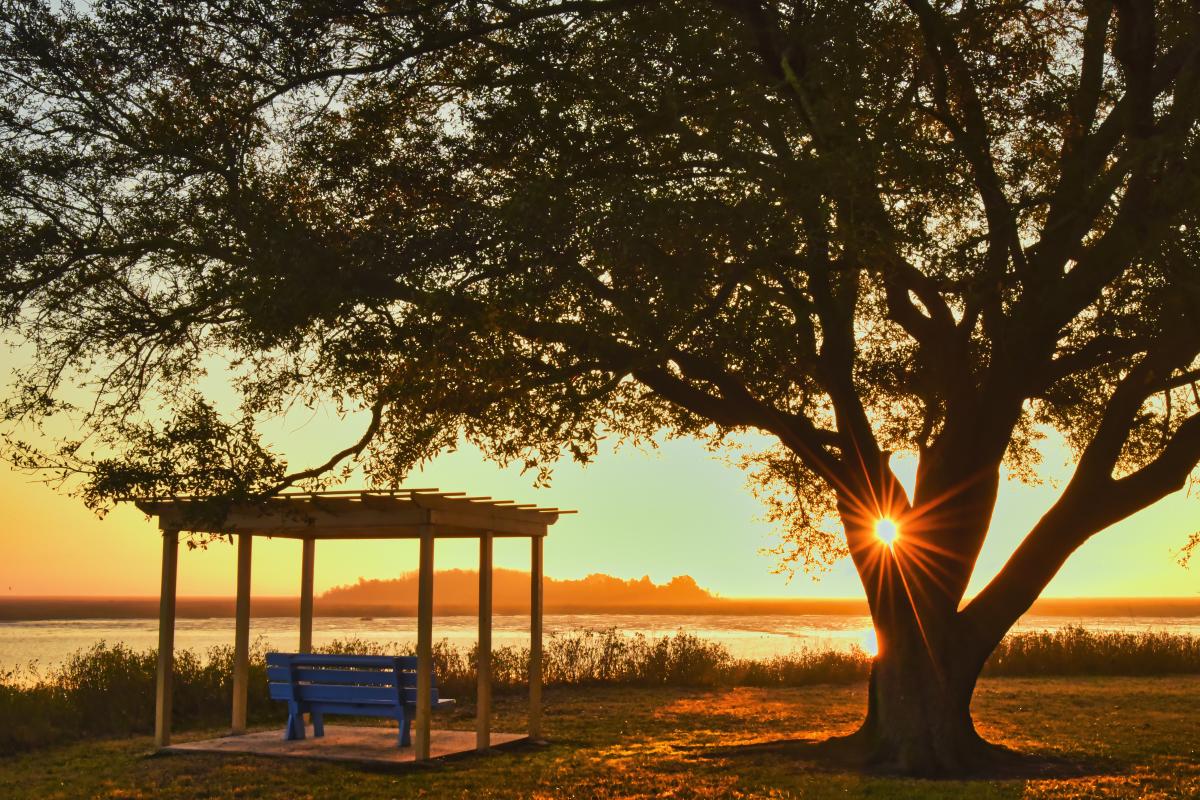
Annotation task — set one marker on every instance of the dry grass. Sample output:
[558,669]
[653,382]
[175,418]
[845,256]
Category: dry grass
[1136,737]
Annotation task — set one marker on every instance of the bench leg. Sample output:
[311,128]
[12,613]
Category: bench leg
[295,723]
[318,722]
[405,729]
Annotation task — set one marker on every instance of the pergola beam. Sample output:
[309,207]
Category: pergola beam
[360,516]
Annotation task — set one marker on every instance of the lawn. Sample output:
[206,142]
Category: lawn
[1130,737]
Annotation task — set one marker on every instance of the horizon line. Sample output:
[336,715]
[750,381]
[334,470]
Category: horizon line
[771,598]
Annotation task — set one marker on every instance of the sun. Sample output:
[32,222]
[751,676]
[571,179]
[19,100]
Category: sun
[887,531]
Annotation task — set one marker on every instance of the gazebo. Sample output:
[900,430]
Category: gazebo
[422,514]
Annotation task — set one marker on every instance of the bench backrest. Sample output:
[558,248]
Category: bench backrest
[343,678]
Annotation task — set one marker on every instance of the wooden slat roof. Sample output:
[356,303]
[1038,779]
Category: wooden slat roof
[356,514]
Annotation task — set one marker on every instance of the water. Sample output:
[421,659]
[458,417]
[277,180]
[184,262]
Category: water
[49,642]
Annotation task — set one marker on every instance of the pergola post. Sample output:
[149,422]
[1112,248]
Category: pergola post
[483,705]
[424,645]
[241,637]
[307,562]
[535,640]
[166,638]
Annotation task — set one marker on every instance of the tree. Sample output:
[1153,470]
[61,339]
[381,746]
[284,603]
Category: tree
[861,228]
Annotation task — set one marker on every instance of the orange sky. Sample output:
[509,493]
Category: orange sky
[665,513]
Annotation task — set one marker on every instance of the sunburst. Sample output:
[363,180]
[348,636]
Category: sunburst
[887,531]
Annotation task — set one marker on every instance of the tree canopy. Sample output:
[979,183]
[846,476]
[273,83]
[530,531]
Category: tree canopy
[862,228]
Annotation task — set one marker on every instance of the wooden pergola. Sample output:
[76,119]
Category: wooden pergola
[422,514]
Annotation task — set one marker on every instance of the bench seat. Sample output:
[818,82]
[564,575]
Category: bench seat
[363,686]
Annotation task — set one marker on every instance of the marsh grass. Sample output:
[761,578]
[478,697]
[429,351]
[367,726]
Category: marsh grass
[108,690]
[1078,651]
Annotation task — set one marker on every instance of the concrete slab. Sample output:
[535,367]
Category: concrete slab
[363,744]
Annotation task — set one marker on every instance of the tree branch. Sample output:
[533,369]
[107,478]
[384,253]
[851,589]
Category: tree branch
[971,136]
[1084,510]
[351,451]
[446,41]
[1100,350]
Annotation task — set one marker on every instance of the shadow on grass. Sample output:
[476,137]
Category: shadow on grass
[841,755]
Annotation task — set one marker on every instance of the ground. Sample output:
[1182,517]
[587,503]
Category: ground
[1109,737]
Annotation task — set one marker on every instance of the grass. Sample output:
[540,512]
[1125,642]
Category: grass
[1135,737]
[108,691]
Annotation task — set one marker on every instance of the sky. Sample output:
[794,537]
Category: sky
[662,512]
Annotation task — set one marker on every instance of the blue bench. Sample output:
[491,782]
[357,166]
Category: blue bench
[362,686]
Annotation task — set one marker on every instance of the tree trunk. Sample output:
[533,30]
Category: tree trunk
[919,705]
[919,722]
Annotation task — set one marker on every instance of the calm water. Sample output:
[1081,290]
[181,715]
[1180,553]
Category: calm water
[48,642]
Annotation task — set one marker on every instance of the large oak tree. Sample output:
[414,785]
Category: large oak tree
[861,227]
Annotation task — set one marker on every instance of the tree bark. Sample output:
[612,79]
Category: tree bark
[919,715]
